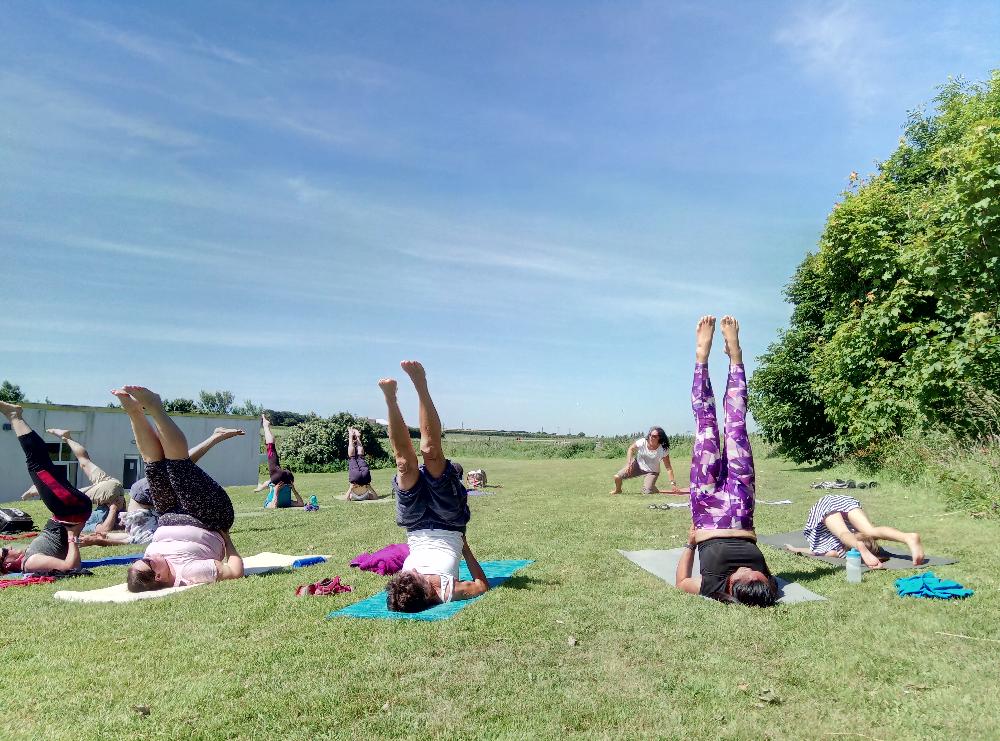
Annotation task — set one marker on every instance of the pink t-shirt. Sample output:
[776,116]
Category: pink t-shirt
[190,551]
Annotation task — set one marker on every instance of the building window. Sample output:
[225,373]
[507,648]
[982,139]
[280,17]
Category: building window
[62,458]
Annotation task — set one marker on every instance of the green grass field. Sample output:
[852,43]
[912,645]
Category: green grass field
[248,660]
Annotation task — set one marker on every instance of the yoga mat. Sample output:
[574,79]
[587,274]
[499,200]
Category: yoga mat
[896,560]
[664,565]
[262,563]
[110,561]
[497,572]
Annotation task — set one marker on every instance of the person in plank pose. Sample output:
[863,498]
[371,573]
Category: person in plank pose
[141,519]
[644,457]
[55,549]
[105,493]
[281,481]
[358,474]
[433,506]
[837,522]
[723,486]
[191,545]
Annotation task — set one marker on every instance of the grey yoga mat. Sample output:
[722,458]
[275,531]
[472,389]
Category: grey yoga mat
[664,565]
[896,560]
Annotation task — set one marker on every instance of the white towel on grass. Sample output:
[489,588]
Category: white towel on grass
[262,563]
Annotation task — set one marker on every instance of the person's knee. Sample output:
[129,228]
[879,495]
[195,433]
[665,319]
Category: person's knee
[431,452]
[404,466]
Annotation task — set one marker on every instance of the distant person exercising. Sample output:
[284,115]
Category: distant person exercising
[281,479]
[55,549]
[723,487]
[433,506]
[358,475]
[644,456]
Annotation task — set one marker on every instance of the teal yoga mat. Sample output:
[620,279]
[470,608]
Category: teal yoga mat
[374,607]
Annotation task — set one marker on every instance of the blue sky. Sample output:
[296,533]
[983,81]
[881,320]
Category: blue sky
[536,199]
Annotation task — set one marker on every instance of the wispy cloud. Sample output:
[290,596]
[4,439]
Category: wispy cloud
[839,45]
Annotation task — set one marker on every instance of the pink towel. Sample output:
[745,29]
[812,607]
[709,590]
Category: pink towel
[388,560]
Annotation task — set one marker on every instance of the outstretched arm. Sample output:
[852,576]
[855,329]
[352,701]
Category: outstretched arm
[670,470]
[232,567]
[683,579]
[479,584]
[295,493]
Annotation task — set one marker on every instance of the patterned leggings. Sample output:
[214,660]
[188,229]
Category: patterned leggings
[66,503]
[722,483]
[186,495]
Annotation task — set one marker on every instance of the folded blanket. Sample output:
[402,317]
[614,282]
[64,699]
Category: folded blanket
[262,563]
[930,586]
[387,560]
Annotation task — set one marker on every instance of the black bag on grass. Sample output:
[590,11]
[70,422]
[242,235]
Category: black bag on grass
[15,521]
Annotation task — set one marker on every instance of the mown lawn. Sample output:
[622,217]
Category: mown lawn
[247,659]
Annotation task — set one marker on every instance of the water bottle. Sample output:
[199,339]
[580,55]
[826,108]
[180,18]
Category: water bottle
[853,557]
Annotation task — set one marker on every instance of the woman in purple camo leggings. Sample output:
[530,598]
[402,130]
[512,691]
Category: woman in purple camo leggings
[722,486]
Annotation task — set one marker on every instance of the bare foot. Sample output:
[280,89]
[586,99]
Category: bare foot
[149,400]
[731,335]
[227,432]
[388,386]
[416,373]
[29,494]
[128,403]
[64,434]
[703,338]
[799,551]
[871,560]
[10,411]
[916,548]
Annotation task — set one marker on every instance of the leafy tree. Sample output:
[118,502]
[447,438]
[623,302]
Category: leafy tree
[215,402]
[286,419]
[320,444]
[896,315]
[248,409]
[180,406]
[11,393]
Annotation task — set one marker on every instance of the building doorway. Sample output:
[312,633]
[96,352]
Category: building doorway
[131,470]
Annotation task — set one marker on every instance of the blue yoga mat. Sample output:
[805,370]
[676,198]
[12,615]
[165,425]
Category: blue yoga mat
[497,572]
[111,561]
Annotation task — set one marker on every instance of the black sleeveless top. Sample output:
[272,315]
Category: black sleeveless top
[718,558]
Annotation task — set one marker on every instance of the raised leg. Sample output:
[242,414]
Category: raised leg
[706,460]
[88,467]
[430,424]
[863,525]
[221,433]
[739,468]
[352,449]
[408,471]
[66,503]
[146,438]
[175,445]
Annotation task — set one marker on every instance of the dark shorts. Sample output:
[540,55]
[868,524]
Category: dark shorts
[357,470]
[440,504]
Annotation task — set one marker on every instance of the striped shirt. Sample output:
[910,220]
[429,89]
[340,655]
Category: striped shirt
[818,536]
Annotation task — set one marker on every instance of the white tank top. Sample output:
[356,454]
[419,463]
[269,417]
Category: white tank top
[438,553]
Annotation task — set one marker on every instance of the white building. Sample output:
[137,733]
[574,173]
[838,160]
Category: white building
[107,435]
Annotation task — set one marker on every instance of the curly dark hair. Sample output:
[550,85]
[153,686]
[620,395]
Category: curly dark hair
[664,440]
[755,593]
[406,593]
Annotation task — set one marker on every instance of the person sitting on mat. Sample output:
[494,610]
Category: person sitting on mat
[358,475]
[433,506]
[141,519]
[281,481]
[722,486]
[55,548]
[837,522]
[106,493]
[644,456]
[191,545]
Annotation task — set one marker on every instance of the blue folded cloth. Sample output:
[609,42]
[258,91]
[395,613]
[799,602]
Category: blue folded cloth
[928,585]
[308,561]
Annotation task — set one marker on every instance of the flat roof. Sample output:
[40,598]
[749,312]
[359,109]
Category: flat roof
[117,410]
